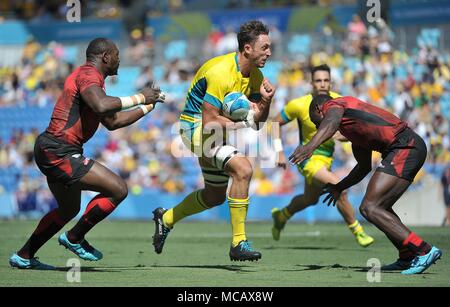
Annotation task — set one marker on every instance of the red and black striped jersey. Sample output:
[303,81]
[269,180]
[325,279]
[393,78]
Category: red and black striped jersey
[366,125]
[72,119]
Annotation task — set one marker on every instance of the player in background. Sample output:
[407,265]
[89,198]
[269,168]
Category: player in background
[316,169]
[403,151]
[58,151]
[445,183]
[233,72]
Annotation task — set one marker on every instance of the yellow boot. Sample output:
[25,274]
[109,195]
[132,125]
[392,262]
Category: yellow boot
[280,218]
[361,237]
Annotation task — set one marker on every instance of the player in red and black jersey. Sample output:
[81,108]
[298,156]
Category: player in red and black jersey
[58,151]
[403,151]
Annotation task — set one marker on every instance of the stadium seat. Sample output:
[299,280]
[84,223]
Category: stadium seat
[272,69]
[175,50]
[299,43]
[70,54]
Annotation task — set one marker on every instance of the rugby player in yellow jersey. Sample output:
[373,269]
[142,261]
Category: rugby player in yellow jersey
[233,72]
[317,169]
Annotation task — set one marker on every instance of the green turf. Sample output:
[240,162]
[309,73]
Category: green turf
[196,254]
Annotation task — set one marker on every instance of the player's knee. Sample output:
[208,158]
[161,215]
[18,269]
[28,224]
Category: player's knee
[214,197]
[216,201]
[367,210]
[121,191]
[244,173]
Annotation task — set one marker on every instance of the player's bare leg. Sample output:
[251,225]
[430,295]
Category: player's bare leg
[241,171]
[112,191]
[195,202]
[405,256]
[311,197]
[308,198]
[383,191]
[68,199]
[298,203]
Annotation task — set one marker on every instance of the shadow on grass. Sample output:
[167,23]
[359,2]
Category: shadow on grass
[233,268]
[356,249]
[302,247]
[315,267]
[362,269]
[88,269]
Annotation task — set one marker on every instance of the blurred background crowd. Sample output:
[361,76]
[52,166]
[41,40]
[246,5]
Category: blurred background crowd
[403,69]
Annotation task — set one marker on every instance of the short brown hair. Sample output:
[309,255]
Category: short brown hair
[249,32]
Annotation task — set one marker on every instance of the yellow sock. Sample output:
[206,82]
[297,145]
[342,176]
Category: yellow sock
[238,214]
[355,227]
[285,215]
[191,204]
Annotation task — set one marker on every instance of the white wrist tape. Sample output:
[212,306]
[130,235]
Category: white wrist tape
[162,97]
[250,119]
[277,145]
[131,101]
[146,108]
[241,125]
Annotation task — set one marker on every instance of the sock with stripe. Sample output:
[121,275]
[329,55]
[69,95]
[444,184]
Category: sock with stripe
[416,245]
[191,204]
[356,227]
[285,215]
[48,226]
[96,210]
[238,214]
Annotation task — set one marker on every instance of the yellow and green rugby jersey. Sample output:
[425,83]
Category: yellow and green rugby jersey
[298,109]
[215,79]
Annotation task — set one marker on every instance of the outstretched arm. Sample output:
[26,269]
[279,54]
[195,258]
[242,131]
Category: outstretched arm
[327,129]
[362,168]
[102,104]
[125,118]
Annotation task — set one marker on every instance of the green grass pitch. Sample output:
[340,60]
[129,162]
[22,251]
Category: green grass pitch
[196,255]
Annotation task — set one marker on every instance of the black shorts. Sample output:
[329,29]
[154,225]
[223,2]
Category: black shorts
[59,161]
[405,156]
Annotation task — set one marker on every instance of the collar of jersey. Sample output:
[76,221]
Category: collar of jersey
[237,63]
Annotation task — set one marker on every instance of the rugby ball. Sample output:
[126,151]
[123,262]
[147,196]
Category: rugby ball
[235,106]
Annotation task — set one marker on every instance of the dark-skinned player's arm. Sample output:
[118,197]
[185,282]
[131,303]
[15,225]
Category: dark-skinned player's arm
[102,104]
[125,118]
[362,168]
[328,127]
